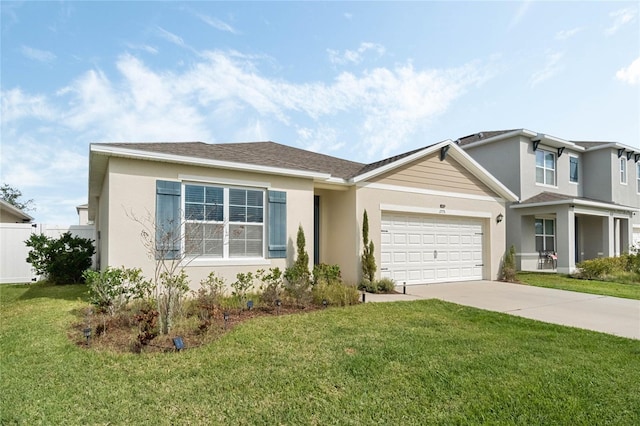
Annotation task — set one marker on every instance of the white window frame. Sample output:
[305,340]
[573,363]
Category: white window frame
[577,170]
[623,170]
[226,223]
[544,168]
[544,235]
[638,178]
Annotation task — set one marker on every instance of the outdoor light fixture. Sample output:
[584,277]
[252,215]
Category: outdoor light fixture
[278,304]
[178,343]
[225,315]
[250,304]
[363,297]
[87,334]
[499,218]
[324,303]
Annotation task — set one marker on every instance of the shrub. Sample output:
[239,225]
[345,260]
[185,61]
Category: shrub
[240,287]
[326,273]
[272,285]
[171,291]
[508,271]
[60,260]
[336,293]
[386,285]
[600,268]
[113,288]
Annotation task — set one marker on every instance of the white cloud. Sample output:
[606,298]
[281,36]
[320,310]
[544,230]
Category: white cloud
[621,17]
[217,23]
[630,74]
[567,34]
[37,54]
[17,105]
[520,13]
[354,56]
[170,37]
[143,47]
[551,68]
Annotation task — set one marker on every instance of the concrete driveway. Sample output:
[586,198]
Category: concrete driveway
[612,315]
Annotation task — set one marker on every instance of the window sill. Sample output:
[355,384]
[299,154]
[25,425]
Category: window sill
[208,261]
[546,185]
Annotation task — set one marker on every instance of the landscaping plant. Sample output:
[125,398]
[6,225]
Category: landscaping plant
[298,277]
[113,288]
[508,271]
[60,260]
[368,258]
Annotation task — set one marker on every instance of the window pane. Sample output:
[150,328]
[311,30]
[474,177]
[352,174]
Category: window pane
[213,248]
[254,198]
[193,239]
[245,240]
[214,213]
[237,197]
[194,194]
[540,158]
[237,214]
[549,244]
[214,195]
[194,211]
[539,175]
[573,169]
[254,214]
[549,161]
[550,177]
[548,227]
[539,246]
[539,227]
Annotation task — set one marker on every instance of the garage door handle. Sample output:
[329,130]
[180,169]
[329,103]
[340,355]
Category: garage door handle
[435,254]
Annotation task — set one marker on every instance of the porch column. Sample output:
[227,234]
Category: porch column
[565,240]
[608,236]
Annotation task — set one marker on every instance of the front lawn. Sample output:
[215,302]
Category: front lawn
[379,363]
[564,282]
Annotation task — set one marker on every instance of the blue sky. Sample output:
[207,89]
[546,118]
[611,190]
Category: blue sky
[357,80]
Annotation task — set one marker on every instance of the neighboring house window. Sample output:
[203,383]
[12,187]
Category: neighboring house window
[545,167]
[545,235]
[623,170]
[223,222]
[573,169]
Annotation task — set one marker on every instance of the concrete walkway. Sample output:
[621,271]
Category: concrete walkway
[611,315]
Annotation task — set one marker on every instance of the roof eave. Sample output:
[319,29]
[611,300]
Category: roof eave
[16,211]
[577,202]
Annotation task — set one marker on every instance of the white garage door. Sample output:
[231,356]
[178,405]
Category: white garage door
[419,249]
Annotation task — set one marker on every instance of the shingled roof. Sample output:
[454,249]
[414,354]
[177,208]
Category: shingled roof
[476,137]
[270,154]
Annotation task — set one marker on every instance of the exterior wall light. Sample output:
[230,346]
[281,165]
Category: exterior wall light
[499,218]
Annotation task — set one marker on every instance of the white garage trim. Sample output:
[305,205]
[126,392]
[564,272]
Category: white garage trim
[428,248]
[428,210]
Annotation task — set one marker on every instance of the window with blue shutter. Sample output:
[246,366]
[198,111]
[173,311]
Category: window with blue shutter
[168,229]
[277,224]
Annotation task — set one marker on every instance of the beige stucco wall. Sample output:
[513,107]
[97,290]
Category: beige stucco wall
[9,217]
[339,232]
[130,190]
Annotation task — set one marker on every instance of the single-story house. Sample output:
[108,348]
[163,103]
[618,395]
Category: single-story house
[435,214]
[12,214]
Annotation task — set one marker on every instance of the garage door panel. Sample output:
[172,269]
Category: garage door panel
[422,249]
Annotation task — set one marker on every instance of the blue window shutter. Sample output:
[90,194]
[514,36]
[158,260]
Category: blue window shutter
[168,227]
[277,224]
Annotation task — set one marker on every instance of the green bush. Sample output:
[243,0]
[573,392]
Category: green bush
[335,293]
[326,273]
[368,257]
[600,268]
[241,286]
[297,277]
[386,285]
[170,294]
[271,286]
[508,271]
[113,288]
[60,260]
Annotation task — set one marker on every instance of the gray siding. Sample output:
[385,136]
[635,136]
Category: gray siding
[502,160]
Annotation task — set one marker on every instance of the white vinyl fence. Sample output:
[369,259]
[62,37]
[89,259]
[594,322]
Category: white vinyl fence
[13,251]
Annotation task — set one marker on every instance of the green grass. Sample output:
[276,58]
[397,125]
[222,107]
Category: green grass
[564,282]
[388,363]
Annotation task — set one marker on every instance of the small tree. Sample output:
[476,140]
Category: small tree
[298,275]
[368,259]
[60,260]
[508,272]
[12,196]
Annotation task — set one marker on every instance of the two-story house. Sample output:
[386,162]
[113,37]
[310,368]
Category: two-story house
[578,200]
